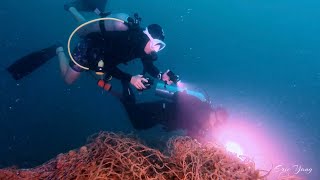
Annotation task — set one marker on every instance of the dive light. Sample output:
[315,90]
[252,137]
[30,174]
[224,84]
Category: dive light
[173,77]
[167,91]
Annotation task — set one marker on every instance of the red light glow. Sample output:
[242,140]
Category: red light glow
[244,139]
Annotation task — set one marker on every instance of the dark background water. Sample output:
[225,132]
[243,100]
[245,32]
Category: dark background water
[257,58]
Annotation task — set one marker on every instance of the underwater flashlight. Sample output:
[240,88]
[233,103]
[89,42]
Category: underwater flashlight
[173,77]
[167,91]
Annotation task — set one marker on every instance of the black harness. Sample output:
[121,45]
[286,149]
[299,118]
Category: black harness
[101,22]
[135,37]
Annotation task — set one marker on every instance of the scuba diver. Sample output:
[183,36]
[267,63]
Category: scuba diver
[106,44]
[103,45]
[178,109]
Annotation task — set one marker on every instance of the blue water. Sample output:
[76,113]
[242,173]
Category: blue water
[257,58]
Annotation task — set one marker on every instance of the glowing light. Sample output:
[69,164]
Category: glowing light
[181,84]
[234,148]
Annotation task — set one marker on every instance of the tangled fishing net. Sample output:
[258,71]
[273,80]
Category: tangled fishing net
[114,156]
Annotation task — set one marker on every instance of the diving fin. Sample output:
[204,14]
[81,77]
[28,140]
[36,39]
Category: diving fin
[87,5]
[29,63]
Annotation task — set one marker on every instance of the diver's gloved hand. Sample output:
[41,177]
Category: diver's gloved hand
[137,82]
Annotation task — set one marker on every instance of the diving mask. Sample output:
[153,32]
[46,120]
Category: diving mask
[155,44]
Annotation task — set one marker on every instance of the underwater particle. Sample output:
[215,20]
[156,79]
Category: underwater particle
[189,11]
[17,100]
[68,90]
[17,36]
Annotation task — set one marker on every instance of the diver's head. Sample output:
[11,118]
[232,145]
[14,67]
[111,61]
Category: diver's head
[156,37]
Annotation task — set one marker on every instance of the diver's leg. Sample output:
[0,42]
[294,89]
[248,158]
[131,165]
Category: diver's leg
[67,72]
[85,6]
[71,76]
[76,15]
[141,115]
[63,61]
[127,93]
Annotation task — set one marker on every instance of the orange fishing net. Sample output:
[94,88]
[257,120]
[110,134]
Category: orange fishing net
[114,156]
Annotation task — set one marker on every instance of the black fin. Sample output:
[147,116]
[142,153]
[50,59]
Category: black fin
[29,63]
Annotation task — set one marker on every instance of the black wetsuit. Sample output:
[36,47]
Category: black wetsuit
[114,47]
[183,111]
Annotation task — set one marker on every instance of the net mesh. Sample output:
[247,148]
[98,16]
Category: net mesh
[116,156]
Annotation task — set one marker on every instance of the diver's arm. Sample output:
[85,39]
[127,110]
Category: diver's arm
[150,68]
[136,81]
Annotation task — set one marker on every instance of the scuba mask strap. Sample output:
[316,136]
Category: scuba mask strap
[156,44]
